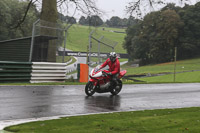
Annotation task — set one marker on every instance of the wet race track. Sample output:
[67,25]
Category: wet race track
[22,102]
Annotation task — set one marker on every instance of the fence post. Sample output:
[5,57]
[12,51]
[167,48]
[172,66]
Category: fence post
[99,47]
[97,42]
[64,47]
[175,53]
[65,42]
[87,55]
[32,40]
[90,43]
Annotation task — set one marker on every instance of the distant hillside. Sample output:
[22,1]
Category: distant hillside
[78,37]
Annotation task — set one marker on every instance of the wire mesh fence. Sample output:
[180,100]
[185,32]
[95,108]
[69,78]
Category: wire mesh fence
[99,48]
[47,39]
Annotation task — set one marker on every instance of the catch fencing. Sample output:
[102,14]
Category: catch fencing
[47,39]
[99,48]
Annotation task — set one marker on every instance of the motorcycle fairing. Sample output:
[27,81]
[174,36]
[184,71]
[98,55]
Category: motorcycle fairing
[122,73]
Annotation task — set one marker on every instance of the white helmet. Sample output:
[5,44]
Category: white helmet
[113,56]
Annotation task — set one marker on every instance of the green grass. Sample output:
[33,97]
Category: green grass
[59,59]
[78,37]
[48,83]
[189,77]
[73,60]
[184,66]
[153,121]
[122,60]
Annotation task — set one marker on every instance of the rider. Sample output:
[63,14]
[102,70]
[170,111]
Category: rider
[114,66]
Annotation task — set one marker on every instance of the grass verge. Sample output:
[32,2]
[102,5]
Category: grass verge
[187,71]
[187,77]
[59,59]
[182,65]
[48,83]
[73,60]
[155,121]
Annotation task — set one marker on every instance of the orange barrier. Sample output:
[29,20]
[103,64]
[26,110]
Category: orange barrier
[84,69]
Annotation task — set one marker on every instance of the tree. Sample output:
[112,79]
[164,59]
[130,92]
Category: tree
[131,40]
[70,20]
[131,21]
[82,20]
[118,22]
[153,40]
[67,19]
[94,20]
[140,8]
[87,7]
[166,36]
[11,12]
[114,22]
[61,17]
[49,13]
[189,42]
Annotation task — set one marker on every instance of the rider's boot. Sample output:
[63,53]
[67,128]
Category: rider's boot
[114,81]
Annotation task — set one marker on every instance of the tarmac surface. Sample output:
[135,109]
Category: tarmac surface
[35,102]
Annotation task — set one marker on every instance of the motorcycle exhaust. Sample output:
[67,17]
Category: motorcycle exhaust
[105,86]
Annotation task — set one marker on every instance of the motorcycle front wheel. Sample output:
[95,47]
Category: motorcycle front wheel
[117,88]
[89,89]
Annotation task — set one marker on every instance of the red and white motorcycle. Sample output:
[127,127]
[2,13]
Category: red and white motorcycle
[100,82]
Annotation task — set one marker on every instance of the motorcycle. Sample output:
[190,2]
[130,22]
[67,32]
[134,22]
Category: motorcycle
[101,82]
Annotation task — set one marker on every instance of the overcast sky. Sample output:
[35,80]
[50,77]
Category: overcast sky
[113,8]
[117,8]
[109,7]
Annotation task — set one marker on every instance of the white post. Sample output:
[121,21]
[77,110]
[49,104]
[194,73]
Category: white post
[175,53]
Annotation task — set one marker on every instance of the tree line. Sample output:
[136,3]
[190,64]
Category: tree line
[153,39]
[114,21]
[11,12]
[95,20]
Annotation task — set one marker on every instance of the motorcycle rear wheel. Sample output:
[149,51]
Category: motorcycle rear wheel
[117,89]
[89,89]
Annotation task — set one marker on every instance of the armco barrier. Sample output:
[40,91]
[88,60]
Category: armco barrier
[33,72]
[48,72]
[15,71]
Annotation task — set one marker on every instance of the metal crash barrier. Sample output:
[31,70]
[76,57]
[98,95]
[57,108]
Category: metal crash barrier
[33,72]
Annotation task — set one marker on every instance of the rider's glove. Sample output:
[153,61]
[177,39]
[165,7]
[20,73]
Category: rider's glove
[98,68]
[109,73]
